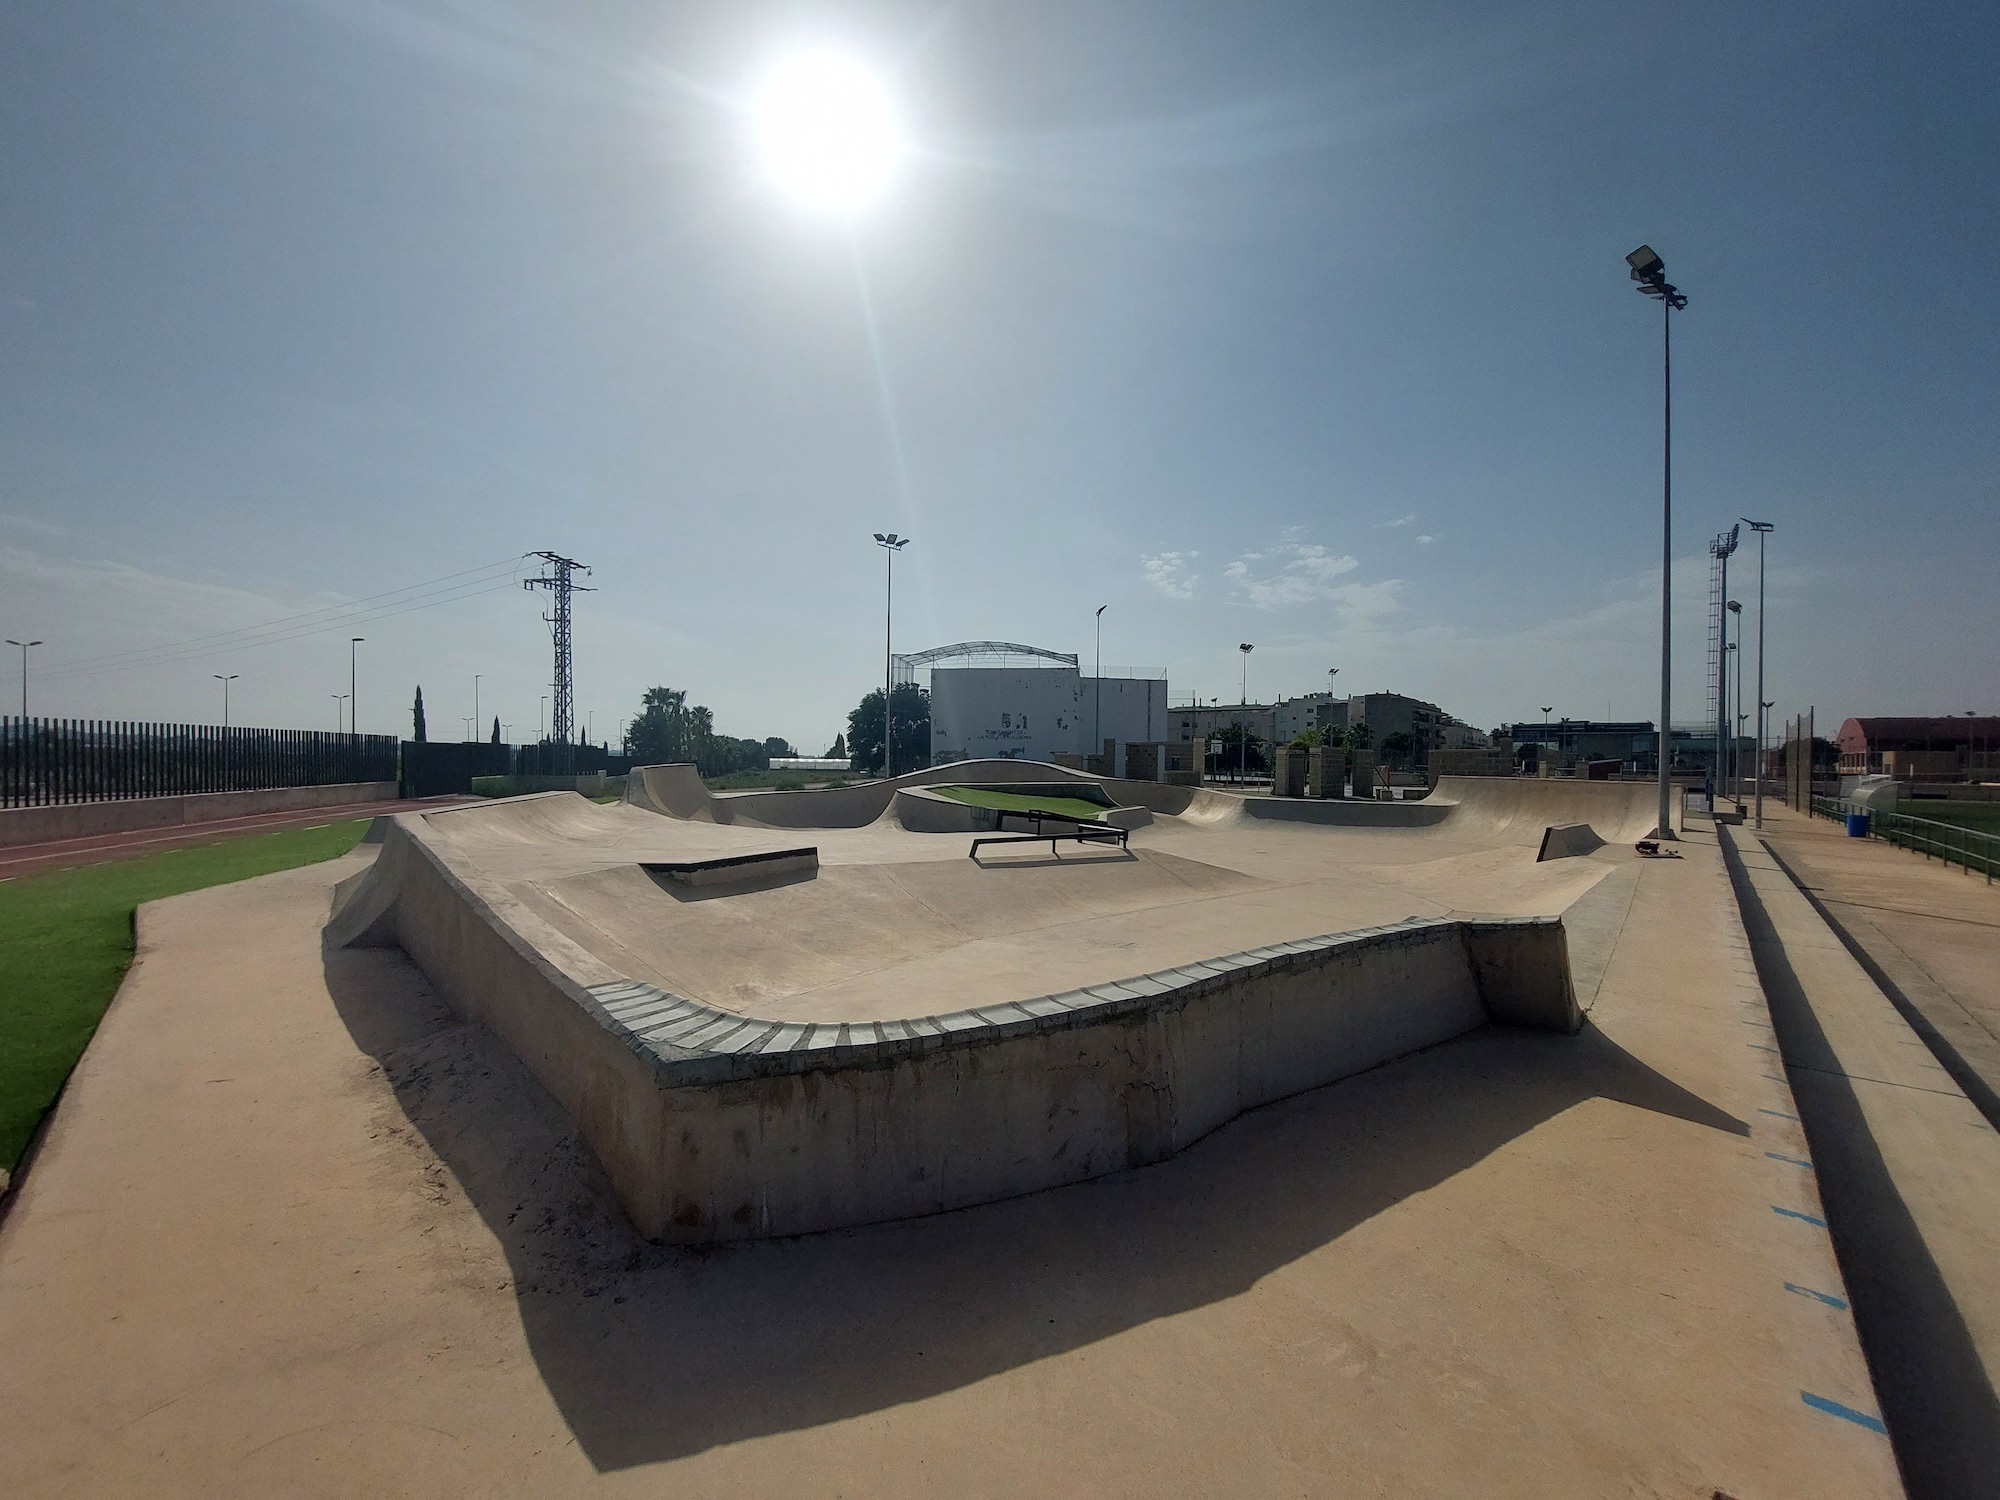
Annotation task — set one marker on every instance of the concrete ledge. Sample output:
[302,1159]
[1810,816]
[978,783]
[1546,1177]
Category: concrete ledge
[82,820]
[735,869]
[712,1125]
[1568,841]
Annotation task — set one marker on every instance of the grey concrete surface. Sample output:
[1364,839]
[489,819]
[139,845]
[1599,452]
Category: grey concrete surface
[299,1230]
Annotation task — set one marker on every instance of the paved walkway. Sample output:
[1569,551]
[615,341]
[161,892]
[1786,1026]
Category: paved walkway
[1928,933]
[61,854]
[295,1230]
[1910,1173]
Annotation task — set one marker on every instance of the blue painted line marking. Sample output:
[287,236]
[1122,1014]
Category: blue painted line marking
[1789,1160]
[1778,1112]
[1762,1048]
[1839,1304]
[1793,1213]
[1835,1409]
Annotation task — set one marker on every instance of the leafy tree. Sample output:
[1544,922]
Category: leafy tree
[417,717]
[839,750]
[1358,737]
[911,706]
[1397,748]
[496,729]
[778,747]
[670,730]
[1236,753]
[1311,739]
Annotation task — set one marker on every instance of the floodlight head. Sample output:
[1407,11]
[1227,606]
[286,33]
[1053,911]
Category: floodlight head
[1646,264]
[1758,525]
[1245,646]
[1735,608]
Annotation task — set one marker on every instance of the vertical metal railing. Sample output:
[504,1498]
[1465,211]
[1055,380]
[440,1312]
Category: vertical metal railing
[44,762]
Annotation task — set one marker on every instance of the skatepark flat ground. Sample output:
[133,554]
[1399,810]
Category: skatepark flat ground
[296,1230]
[902,924]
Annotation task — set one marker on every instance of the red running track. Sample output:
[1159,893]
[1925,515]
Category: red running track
[62,854]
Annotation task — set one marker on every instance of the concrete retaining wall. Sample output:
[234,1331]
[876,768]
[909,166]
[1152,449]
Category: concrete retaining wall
[82,820]
[718,1126]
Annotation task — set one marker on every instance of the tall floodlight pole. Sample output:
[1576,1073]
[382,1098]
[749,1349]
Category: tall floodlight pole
[1763,529]
[1097,725]
[475,700]
[891,544]
[353,697]
[1243,728]
[1651,274]
[561,585]
[225,681]
[1736,718]
[24,645]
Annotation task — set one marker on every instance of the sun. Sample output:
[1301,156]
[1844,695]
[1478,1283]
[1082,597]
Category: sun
[827,134]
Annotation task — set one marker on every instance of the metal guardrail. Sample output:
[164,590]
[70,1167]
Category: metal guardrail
[51,762]
[1947,842]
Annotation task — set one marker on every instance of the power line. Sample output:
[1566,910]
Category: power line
[449,589]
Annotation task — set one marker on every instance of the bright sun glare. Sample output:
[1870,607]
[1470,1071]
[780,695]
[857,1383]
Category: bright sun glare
[826,132]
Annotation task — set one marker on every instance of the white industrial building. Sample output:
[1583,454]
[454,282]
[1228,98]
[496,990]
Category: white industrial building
[994,699]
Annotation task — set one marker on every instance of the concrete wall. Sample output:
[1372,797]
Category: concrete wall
[1037,713]
[79,820]
[717,1126]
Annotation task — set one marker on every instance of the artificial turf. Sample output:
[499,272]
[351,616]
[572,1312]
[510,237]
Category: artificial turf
[66,940]
[1067,807]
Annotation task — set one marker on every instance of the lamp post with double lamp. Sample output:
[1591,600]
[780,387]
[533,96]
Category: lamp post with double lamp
[24,645]
[890,543]
[338,700]
[1097,712]
[1763,529]
[1651,274]
[225,681]
[1243,726]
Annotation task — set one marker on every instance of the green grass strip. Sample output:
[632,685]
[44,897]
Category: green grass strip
[66,940]
[1067,807]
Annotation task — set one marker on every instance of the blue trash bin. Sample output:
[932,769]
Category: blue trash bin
[1857,825]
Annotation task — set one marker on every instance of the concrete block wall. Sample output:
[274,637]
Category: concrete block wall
[78,820]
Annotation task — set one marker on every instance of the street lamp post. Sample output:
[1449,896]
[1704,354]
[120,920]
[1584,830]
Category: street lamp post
[1651,274]
[1097,714]
[1763,529]
[1243,728]
[891,544]
[24,645]
[353,698]
[338,700]
[541,719]
[475,701]
[225,681]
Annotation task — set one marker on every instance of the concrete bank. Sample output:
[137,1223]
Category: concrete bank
[80,820]
[713,1125]
[1909,1172]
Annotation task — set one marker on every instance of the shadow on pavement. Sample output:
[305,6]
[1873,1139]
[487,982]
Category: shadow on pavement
[655,1352]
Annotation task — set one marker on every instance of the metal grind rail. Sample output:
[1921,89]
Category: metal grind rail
[1080,830]
[1950,843]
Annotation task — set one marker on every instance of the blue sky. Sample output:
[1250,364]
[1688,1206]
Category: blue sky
[1299,324]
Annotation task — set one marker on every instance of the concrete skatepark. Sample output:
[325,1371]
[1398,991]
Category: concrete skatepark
[392,1243]
[878,1025]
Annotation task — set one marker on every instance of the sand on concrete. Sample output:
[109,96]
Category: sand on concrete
[295,1230]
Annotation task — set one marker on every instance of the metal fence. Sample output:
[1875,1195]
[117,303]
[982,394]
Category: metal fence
[1948,842]
[49,761]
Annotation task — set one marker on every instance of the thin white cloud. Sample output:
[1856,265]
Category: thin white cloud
[1406,520]
[1171,573]
[1425,541]
[1290,574]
